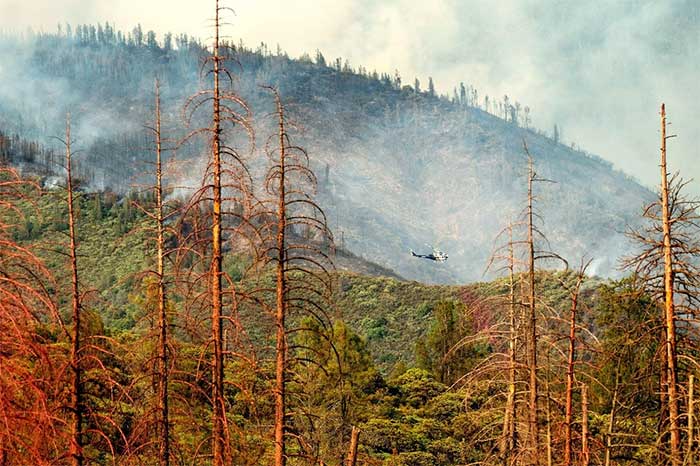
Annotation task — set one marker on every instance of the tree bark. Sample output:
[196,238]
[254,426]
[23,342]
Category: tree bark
[568,416]
[669,308]
[663,401]
[533,427]
[690,456]
[509,433]
[280,316]
[76,450]
[611,423]
[218,402]
[585,448]
[354,443]
[163,375]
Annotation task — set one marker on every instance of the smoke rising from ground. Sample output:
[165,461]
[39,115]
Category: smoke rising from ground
[597,69]
[400,168]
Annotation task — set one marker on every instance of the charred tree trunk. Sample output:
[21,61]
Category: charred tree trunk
[663,401]
[671,369]
[226,193]
[163,374]
[585,448]
[568,416]
[217,395]
[280,315]
[611,422]
[509,433]
[354,442]
[690,455]
[533,427]
[301,267]
[76,388]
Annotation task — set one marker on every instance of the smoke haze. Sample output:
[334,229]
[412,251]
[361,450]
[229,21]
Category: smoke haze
[597,69]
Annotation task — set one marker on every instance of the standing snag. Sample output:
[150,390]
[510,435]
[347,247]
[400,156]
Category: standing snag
[76,451]
[155,427]
[506,254]
[534,254]
[299,245]
[31,432]
[217,213]
[163,324]
[574,293]
[667,268]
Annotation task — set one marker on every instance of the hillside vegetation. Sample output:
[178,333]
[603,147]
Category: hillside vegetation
[407,393]
[233,285]
[398,169]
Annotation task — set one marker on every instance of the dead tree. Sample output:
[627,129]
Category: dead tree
[571,362]
[222,208]
[568,419]
[303,284]
[491,374]
[669,305]
[91,422]
[533,426]
[533,254]
[690,452]
[509,429]
[667,267]
[76,403]
[585,444]
[30,432]
[281,293]
[157,374]
[354,441]
[611,422]
[217,397]
[163,362]
[506,254]
[161,319]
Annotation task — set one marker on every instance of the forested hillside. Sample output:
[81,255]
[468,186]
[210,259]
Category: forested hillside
[425,366]
[204,261]
[400,168]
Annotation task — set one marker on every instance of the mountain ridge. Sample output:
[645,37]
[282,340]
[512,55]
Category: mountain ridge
[398,169]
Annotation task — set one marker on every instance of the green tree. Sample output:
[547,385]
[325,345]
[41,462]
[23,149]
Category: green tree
[441,351]
[338,386]
[97,211]
[627,320]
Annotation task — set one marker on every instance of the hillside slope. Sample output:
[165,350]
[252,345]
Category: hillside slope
[398,169]
[391,315]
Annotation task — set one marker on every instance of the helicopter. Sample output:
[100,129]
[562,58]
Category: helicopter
[436,255]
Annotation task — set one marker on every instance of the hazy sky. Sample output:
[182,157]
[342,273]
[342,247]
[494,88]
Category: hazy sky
[598,68]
